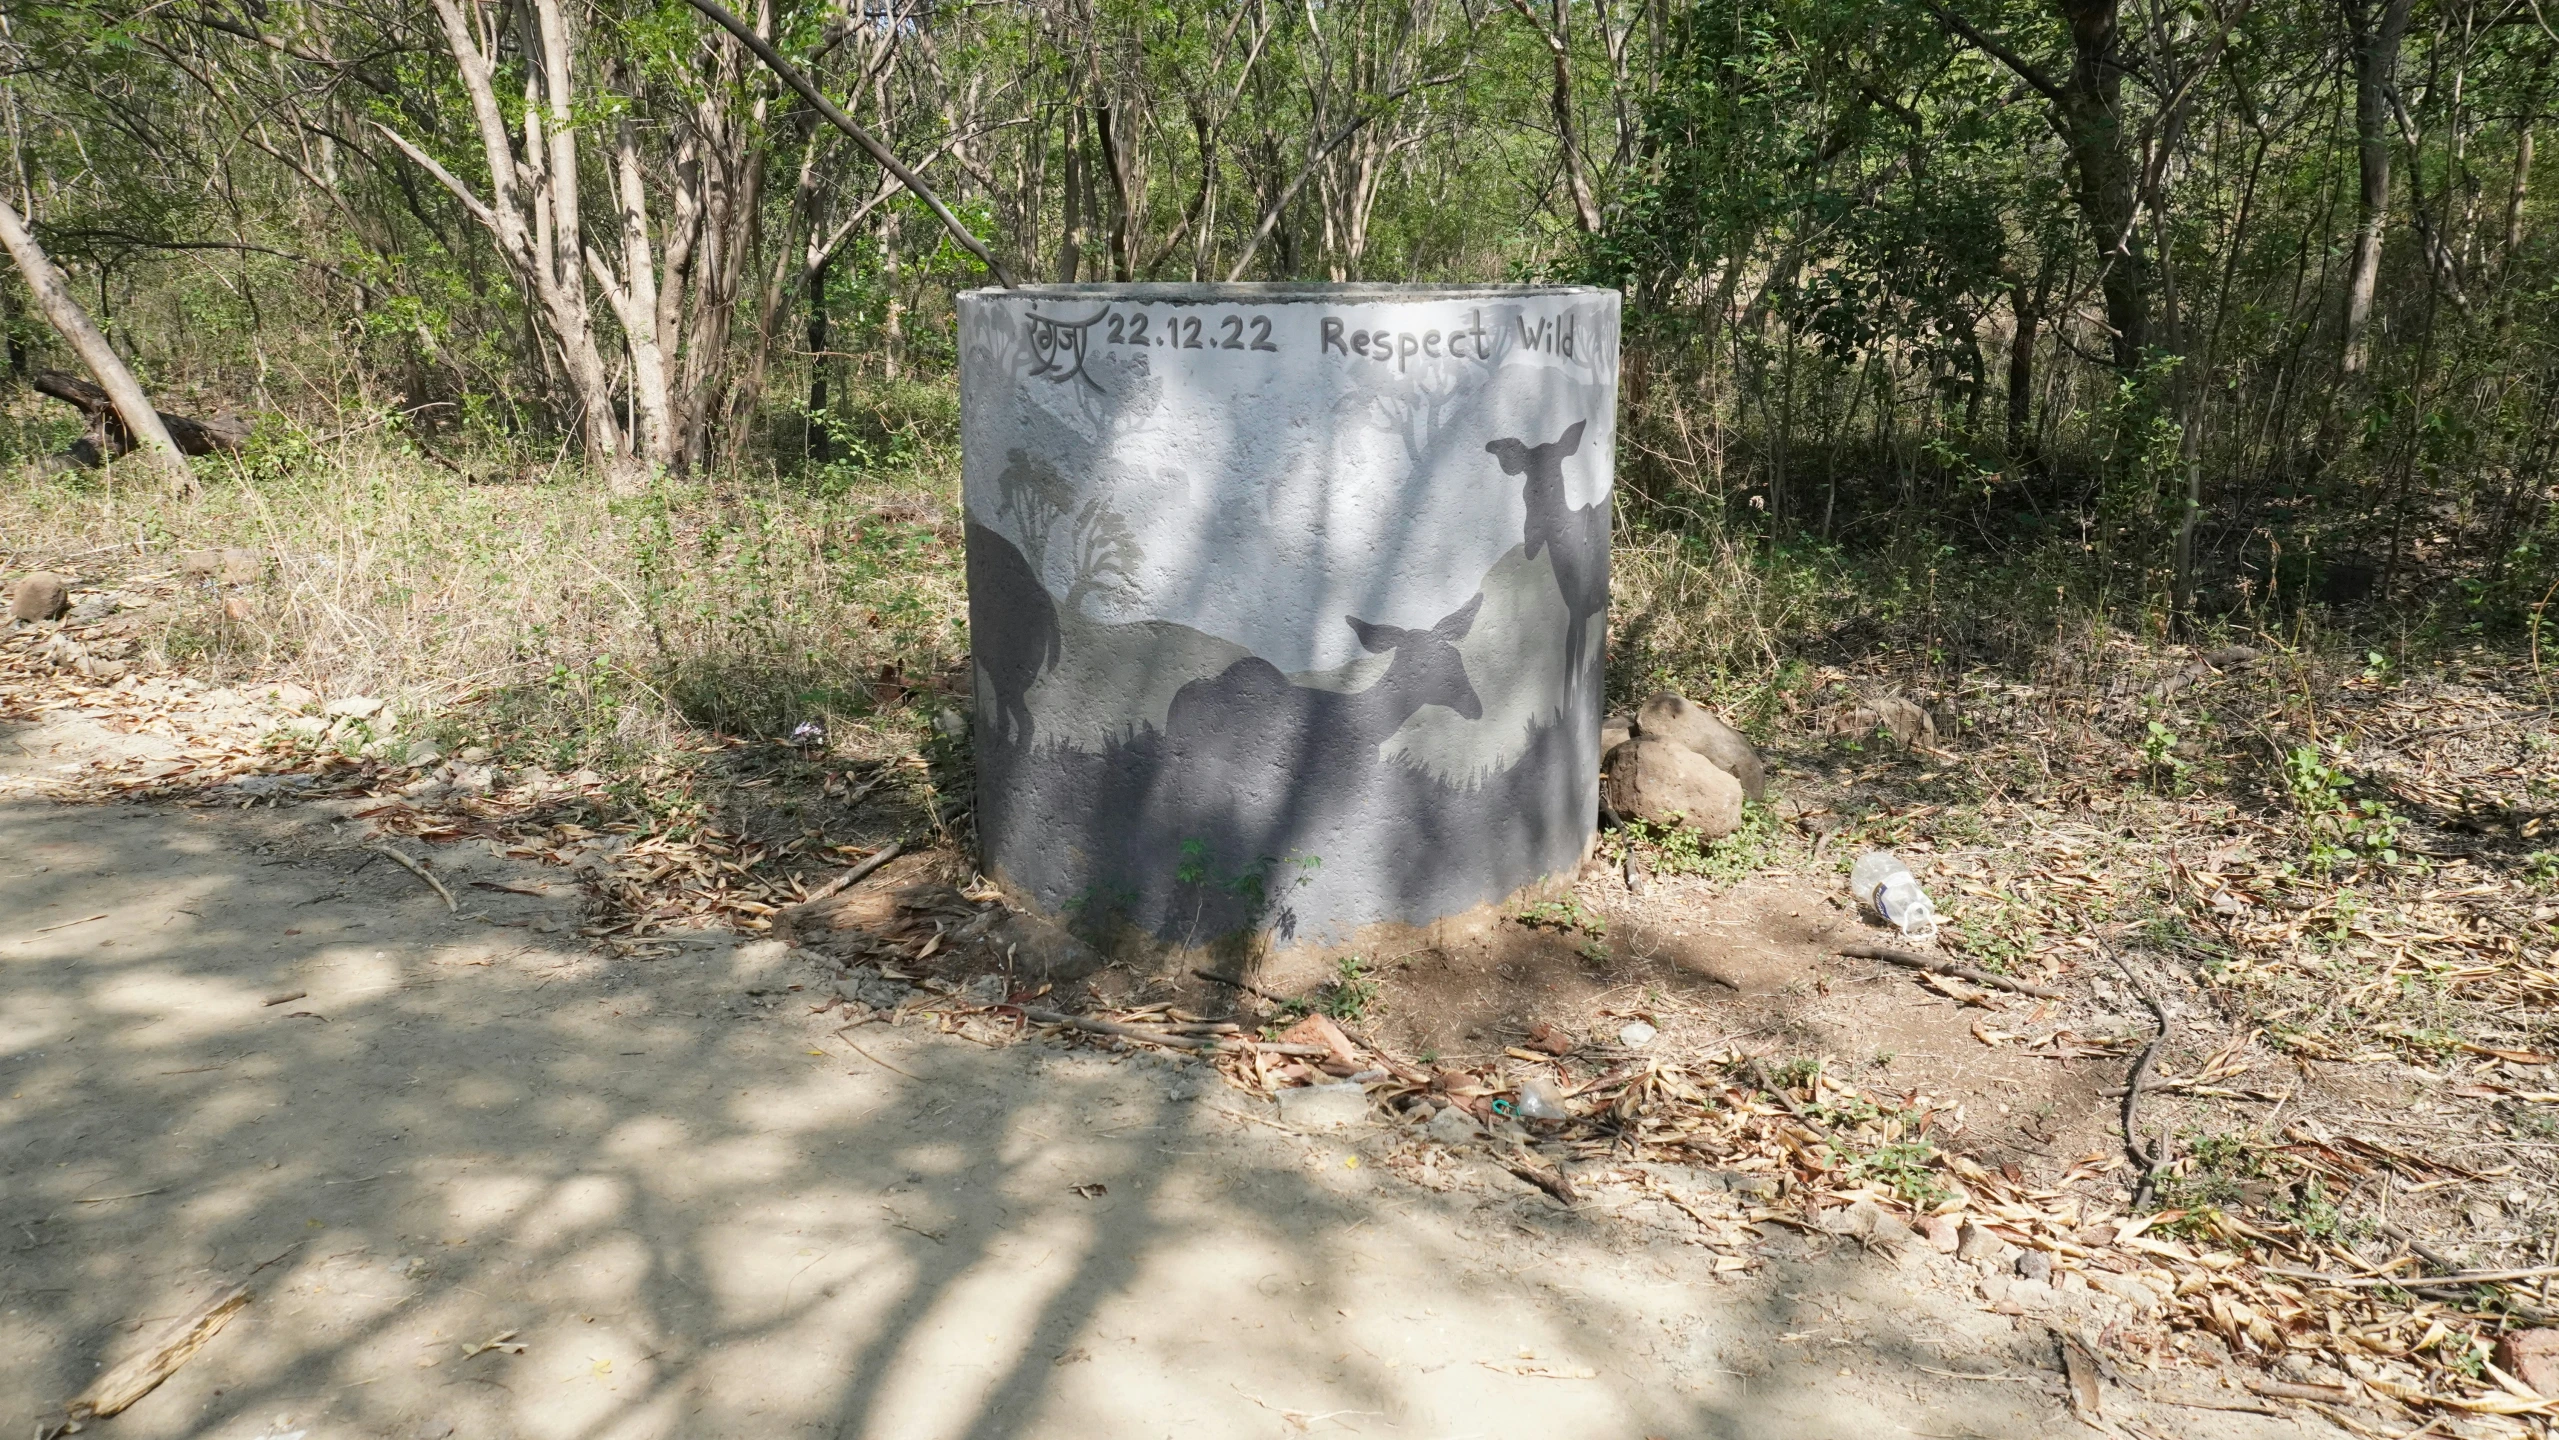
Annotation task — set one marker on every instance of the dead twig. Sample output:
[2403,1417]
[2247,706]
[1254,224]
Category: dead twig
[2396,1282]
[858,873]
[874,1059]
[1210,1043]
[1553,1182]
[1891,956]
[2154,1157]
[414,868]
[1246,986]
[110,1393]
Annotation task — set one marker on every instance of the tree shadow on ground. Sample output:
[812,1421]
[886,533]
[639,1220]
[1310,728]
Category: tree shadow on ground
[508,1188]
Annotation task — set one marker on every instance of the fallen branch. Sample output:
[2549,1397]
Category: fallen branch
[120,1387]
[2154,1157]
[858,873]
[2396,1282]
[1209,1043]
[1891,956]
[1553,1182]
[414,868]
[1244,985]
[192,437]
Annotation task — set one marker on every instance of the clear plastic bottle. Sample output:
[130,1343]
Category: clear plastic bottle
[1882,881]
[1538,1099]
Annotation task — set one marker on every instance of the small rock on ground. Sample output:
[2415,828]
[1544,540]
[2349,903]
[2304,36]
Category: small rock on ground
[1452,1126]
[1323,1107]
[1673,717]
[40,595]
[2531,1356]
[1655,780]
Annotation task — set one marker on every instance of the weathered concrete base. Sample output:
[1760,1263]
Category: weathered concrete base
[1258,957]
[1287,603]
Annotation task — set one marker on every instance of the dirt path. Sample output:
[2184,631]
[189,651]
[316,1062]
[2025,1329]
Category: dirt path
[691,1210]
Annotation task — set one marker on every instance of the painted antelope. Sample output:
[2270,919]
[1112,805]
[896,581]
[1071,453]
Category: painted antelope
[1252,714]
[1577,536]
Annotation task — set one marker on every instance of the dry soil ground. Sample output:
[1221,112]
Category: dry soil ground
[486,1181]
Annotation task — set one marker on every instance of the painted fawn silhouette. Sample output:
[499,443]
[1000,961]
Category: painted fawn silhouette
[1248,739]
[1577,536]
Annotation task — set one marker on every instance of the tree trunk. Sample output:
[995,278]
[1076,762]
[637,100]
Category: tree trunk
[2092,115]
[2515,193]
[2373,33]
[1559,103]
[53,294]
[2021,367]
[1070,250]
[819,441]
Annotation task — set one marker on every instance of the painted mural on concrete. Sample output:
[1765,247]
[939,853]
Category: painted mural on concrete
[1287,603]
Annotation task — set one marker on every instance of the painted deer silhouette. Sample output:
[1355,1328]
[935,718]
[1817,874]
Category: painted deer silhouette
[1020,644]
[1257,768]
[1252,713]
[1577,536]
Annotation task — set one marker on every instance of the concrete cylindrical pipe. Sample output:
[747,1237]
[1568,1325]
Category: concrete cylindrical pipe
[1287,602]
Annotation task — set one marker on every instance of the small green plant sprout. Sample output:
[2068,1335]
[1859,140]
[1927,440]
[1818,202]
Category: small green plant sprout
[2340,829]
[2541,867]
[1674,849]
[1568,913]
[1793,1074]
[1904,1166]
[2159,755]
[1350,993]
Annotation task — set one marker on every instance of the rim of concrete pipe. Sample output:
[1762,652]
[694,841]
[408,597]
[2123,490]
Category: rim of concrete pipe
[1280,291]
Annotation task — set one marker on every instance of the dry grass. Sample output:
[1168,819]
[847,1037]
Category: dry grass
[543,617]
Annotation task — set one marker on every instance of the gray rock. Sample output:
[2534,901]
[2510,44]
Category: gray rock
[2034,1265]
[2133,1290]
[1757,1187]
[1891,1231]
[40,595]
[1671,716]
[1614,731]
[90,609]
[1041,950]
[1858,1219]
[270,784]
[870,987]
[1901,718]
[759,954]
[1980,1246]
[1656,780]
[1323,1107]
[1452,1126]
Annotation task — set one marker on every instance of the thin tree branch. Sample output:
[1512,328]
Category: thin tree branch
[835,116]
[2026,71]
